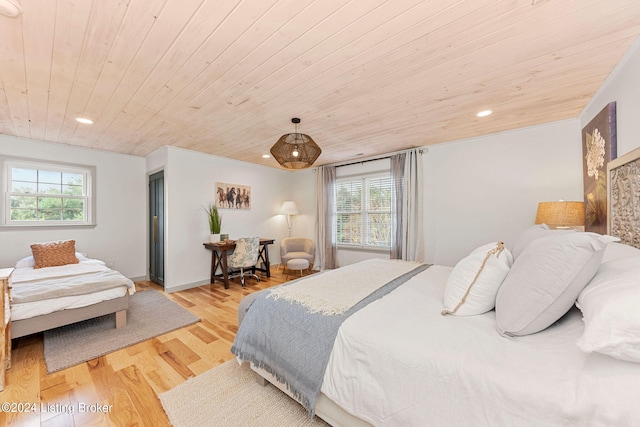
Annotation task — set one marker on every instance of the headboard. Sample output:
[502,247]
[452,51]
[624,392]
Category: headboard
[623,198]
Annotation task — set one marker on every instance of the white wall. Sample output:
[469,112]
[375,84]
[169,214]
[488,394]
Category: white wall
[487,189]
[120,191]
[304,186]
[622,86]
[190,183]
[303,192]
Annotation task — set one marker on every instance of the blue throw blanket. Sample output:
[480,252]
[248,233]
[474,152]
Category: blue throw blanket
[293,345]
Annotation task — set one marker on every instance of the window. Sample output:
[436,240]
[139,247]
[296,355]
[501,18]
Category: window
[47,194]
[363,211]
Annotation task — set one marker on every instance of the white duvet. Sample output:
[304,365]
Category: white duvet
[399,362]
[50,289]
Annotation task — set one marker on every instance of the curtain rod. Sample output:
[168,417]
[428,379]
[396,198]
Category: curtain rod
[421,150]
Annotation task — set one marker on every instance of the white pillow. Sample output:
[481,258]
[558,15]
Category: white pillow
[532,233]
[528,236]
[546,279]
[482,295]
[610,307]
[25,262]
[619,250]
[29,262]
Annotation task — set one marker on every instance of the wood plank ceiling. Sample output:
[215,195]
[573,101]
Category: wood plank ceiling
[366,77]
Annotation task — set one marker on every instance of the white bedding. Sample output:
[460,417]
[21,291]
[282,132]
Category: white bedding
[337,291]
[37,308]
[29,284]
[399,362]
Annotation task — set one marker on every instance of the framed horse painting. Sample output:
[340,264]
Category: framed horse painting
[233,196]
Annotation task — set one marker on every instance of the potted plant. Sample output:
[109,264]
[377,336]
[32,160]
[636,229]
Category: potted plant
[215,222]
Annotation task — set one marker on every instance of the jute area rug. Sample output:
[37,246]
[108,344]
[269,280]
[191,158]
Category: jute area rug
[150,314]
[228,395]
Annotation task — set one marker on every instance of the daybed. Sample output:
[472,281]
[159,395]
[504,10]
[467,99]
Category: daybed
[52,296]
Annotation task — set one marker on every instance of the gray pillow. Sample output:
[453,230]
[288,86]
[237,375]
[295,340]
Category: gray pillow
[546,279]
[532,233]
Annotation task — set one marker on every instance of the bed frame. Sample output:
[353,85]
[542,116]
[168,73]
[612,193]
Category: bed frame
[119,306]
[623,198]
[326,408]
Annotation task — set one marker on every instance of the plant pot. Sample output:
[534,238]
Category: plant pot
[213,238]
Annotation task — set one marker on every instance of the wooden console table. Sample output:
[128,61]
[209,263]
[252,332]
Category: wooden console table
[219,259]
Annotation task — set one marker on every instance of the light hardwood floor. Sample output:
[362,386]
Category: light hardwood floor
[129,379]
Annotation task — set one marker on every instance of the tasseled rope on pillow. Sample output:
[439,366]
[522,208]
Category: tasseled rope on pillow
[497,250]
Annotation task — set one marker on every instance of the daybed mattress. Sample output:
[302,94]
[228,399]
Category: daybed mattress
[37,308]
[399,362]
[42,291]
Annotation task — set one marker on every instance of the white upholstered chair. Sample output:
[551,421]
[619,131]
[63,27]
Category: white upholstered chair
[245,255]
[297,248]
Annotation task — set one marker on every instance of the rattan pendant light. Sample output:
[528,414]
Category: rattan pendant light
[295,150]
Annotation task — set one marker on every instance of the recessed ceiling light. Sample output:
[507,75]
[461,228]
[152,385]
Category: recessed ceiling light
[84,121]
[484,113]
[265,156]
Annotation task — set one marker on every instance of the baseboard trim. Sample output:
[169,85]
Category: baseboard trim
[186,286]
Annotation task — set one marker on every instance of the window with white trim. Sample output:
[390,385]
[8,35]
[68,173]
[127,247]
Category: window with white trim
[363,211]
[47,194]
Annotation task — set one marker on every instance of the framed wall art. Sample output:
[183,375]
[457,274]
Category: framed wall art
[598,148]
[623,178]
[233,196]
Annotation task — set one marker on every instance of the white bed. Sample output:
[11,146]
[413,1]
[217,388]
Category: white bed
[91,289]
[459,370]
[546,333]
[399,362]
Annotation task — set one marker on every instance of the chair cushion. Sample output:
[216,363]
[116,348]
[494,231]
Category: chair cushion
[246,252]
[297,264]
[296,244]
[301,255]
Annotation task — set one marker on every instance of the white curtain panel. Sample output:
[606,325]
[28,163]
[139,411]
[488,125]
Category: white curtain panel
[325,224]
[407,241]
[397,197]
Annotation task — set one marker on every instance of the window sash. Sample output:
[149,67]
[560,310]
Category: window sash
[47,194]
[363,211]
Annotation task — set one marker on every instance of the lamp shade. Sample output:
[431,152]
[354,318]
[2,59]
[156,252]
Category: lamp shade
[295,150]
[289,208]
[560,214]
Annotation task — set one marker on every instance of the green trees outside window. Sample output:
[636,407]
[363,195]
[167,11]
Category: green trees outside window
[39,194]
[363,211]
